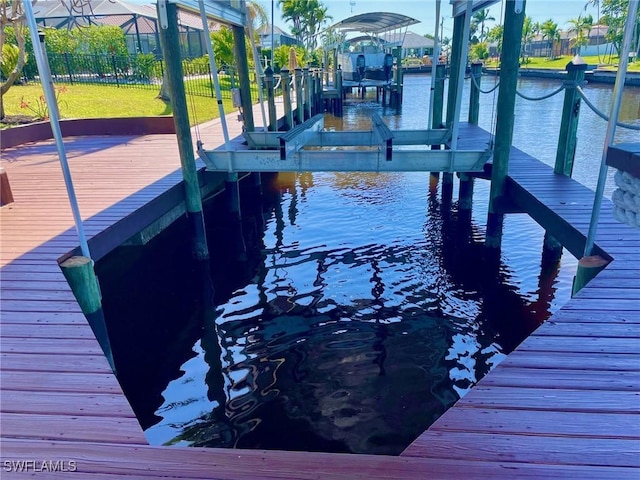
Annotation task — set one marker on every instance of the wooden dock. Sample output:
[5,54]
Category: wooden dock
[565,404]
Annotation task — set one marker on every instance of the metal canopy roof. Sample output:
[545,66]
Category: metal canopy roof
[374,22]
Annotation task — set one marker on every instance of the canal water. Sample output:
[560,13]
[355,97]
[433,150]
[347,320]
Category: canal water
[345,312]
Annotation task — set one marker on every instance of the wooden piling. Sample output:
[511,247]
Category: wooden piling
[509,64]
[286,98]
[319,97]
[551,249]
[241,57]
[437,113]
[340,91]
[474,93]
[232,189]
[271,100]
[307,93]
[438,97]
[297,79]
[169,39]
[82,279]
[465,196]
[399,75]
[588,268]
[6,197]
[454,67]
[567,140]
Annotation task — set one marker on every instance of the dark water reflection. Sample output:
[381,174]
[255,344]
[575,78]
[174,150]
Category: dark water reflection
[345,313]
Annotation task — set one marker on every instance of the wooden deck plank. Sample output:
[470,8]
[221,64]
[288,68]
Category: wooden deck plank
[73,382]
[44,317]
[562,378]
[557,399]
[43,330]
[66,403]
[234,464]
[572,361]
[61,346]
[72,428]
[536,422]
[578,329]
[580,344]
[528,449]
[54,363]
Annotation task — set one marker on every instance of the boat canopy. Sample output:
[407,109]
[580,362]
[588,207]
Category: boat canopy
[374,23]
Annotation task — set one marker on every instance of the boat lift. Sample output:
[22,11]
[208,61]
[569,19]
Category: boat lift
[308,147]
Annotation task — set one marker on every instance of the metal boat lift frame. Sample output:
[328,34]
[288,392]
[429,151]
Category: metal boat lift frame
[309,148]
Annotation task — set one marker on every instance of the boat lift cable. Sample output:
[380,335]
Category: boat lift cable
[434,62]
[214,73]
[611,126]
[603,115]
[54,120]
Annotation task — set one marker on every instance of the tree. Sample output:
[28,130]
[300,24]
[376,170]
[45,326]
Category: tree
[12,15]
[315,18]
[529,30]
[595,3]
[578,27]
[479,18]
[307,17]
[549,30]
[479,51]
[615,14]
[223,47]
[257,15]
[496,34]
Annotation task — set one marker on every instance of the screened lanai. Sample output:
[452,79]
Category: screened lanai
[139,22]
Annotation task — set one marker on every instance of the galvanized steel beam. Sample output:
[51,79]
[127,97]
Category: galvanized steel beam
[361,160]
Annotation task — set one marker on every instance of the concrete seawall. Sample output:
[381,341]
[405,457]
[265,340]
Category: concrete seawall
[594,76]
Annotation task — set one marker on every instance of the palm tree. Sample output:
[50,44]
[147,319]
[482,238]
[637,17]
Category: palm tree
[257,15]
[549,30]
[529,30]
[479,18]
[578,27]
[307,17]
[595,3]
[314,20]
[293,11]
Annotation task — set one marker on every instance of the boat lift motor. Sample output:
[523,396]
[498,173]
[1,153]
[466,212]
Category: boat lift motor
[360,66]
[387,66]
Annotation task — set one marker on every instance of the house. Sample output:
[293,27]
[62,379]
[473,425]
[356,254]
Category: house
[280,37]
[139,22]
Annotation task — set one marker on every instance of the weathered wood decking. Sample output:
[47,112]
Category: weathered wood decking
[565,404]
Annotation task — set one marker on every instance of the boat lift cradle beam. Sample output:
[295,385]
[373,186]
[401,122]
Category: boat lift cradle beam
[261,140]
[363,160]
[298,137]
[308,148]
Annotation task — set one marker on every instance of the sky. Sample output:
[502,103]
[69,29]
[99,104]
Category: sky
[424,10]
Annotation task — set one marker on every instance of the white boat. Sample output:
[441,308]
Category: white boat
[368,58]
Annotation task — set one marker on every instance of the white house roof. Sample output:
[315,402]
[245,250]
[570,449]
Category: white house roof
[374,22]
[411,40]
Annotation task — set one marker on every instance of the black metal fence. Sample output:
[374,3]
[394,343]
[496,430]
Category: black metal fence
[132,71]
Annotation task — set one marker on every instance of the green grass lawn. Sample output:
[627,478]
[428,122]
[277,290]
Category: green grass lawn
[559,63]
[105,101]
